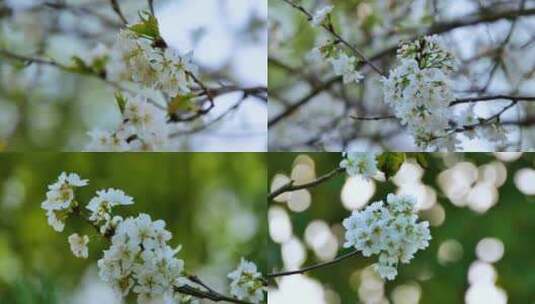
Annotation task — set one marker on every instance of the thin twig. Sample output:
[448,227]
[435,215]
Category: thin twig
[210,293]
[489,98]
[373,117]
[117,9]
[290,186]
[313,267]
[329,28]
[462,101]
[79,10]
[151,6]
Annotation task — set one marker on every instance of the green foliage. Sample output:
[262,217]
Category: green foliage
[97,67]
[121,101]
[38,291]
[390,163]
[148,27]
[198,195]
[182,103]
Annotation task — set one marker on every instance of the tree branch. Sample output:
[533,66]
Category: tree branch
[462,101]
[117,9]
[151,6]
[491,98]
[78,10]
[330,28]
[373,118]
[303,101]
[313,267]
[210,293]
[290,186]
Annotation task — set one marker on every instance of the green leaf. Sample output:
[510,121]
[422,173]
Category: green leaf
[99,65]
[421,158]
[182,103]
[390,162]
[148,27]
[121,101]
[80,67]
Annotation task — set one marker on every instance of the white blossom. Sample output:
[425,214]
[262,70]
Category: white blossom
[143,128]
[247,282]
[493,132]
[60,199]
[420,99]
[360,163]
[102,204]
[79,245]
[344,66]
[390,230]
[133,58]
[320,15]
[140,261]
[467,118]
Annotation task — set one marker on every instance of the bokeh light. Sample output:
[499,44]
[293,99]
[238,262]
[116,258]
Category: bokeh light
[356,192]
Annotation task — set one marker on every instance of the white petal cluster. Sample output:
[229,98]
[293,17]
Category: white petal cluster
[419,92]
[420,98]
[246,283]
[144,128]
[140,261]
[390,230]
[320,15]
[101,208]
[60,201]
[135,59]
[360,163]
[345,66]
[79,245]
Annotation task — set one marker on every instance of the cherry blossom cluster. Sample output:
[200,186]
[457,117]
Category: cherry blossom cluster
[419,90]
[390,230]
[247,282]
[60,200]
[143,128]
[360,163]
[342,64]
[137,59]
[139,259]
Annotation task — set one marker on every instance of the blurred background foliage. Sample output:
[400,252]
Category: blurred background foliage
[468,197]
[214,204]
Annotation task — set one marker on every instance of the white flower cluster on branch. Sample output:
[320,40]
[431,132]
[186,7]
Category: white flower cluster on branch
[60,200]
[419,90]
[139,259]
[360,163]
[390,230]
[342,64]
[137,59]
[143,128]
[319,16]
[247,282]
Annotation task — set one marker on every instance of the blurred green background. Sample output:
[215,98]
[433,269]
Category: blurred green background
[214,204]
[510,220]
